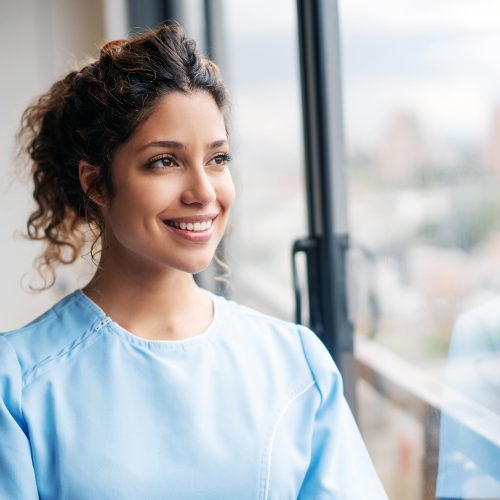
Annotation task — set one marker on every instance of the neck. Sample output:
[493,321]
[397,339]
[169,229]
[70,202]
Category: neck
[152,302]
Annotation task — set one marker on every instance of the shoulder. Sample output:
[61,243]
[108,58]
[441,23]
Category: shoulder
[48,334]
[477,330]
[287,341]
[241,321]
[486,314]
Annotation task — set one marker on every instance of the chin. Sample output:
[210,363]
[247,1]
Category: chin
[196,266]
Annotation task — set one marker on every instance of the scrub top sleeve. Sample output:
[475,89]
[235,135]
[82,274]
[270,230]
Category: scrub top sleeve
[17,477]
[340,467]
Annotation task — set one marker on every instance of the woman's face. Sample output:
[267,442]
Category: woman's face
[172,186]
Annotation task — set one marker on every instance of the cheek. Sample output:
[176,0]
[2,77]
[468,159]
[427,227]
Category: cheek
[227,192]
[142,200]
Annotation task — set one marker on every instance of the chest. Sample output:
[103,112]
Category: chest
[160,437]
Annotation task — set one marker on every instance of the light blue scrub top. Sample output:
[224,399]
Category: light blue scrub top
[250,409]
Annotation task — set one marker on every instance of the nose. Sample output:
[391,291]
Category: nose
[198,188]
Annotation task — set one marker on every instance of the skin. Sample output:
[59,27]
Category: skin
[144,280]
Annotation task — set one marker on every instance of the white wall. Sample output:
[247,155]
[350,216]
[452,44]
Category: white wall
[41,40]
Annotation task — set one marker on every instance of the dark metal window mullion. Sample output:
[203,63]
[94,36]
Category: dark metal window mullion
[325,180]
[146,14]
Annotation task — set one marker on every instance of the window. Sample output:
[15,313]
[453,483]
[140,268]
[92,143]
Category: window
[262,70]
[421,99]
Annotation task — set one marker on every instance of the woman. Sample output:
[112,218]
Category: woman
[142,385]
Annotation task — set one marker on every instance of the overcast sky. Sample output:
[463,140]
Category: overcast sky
[438,58]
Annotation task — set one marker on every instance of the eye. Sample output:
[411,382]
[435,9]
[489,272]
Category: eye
[162,161]
[220,159]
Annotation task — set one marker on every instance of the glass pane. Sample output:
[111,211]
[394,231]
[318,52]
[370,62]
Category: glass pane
[422,93]
[263,75]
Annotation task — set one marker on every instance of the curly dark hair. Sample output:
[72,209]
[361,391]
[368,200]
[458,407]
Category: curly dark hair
[86,116]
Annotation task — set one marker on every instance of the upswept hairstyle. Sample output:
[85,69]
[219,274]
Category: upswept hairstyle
[86,116]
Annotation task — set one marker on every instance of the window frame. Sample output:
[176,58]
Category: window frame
[326,187]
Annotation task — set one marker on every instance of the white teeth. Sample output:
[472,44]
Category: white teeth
[196,226]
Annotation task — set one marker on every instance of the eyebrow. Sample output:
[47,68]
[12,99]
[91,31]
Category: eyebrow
[180,145]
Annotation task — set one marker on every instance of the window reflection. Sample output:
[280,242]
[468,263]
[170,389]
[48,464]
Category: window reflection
[470,419]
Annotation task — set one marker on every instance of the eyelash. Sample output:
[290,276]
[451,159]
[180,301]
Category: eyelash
[226,157]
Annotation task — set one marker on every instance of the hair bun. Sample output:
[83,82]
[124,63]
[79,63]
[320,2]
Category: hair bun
[112,46]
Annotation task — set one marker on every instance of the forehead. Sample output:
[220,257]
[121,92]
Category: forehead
[183,117]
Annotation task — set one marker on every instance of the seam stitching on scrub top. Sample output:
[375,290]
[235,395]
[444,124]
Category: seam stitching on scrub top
[38,368]
[313,374]
[264,489]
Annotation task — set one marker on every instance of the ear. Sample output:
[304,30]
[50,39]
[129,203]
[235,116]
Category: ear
[88,174]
